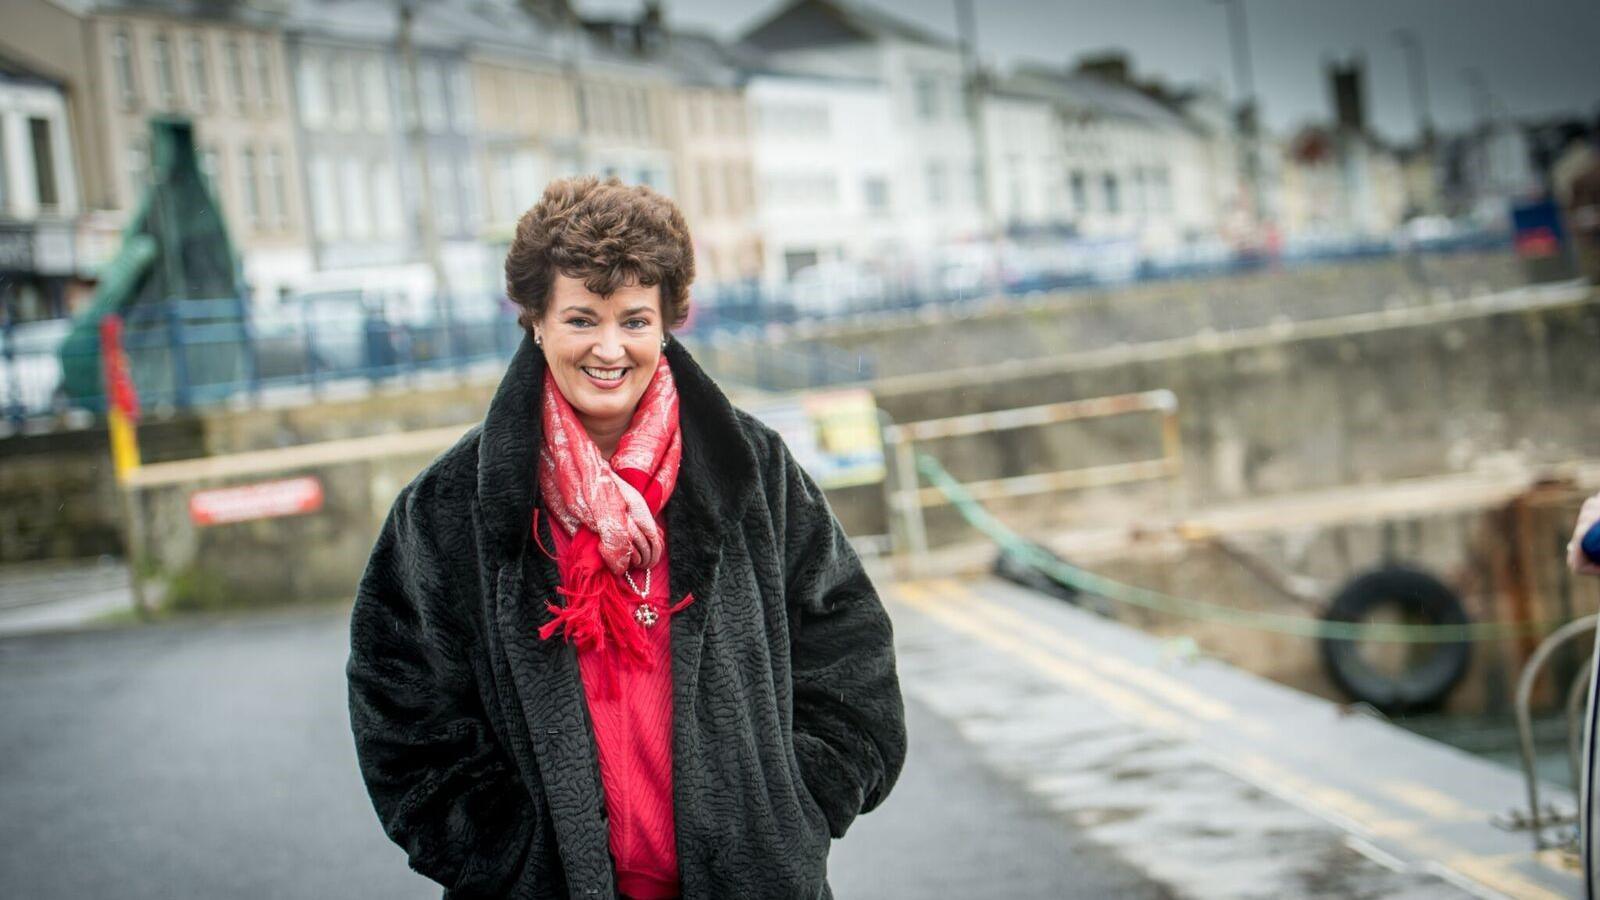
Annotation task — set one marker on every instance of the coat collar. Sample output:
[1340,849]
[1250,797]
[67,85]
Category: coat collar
[715,482]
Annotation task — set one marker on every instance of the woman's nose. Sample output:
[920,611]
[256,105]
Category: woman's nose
[608,346]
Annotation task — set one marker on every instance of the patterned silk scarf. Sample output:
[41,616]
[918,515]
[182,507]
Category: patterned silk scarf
[609,510]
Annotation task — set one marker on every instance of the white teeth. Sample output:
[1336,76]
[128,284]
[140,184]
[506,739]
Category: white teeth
[605,374]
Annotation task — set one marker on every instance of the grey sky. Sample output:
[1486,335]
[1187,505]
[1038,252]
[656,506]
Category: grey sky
[1537,56]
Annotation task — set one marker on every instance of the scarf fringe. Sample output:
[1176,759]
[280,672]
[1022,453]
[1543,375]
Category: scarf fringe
[596,613]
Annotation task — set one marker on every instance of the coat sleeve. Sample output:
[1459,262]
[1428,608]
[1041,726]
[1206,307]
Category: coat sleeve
[849,718]
[443,788]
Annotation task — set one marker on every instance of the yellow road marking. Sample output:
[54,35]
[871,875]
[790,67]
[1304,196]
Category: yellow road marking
[1118,698]
[1184,697]
[1437,805]
[1487,871]
[951,603]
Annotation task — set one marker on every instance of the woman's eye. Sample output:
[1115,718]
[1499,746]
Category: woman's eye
[579,323]
[637,324]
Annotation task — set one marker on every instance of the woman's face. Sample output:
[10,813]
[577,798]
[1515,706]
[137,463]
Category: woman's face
[602,351]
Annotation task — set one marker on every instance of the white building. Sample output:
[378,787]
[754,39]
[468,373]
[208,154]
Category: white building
[824,160]
[1127,166]
[925,128]
[38,197]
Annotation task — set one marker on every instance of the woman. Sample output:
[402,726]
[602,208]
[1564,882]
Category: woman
[614,643]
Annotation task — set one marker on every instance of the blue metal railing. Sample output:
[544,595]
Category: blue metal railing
[194,353]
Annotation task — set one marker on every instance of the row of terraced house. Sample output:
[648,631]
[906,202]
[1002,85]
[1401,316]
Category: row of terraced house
[386,141]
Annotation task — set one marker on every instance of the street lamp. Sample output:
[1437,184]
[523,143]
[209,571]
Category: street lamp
[1244,84]
[1408,41]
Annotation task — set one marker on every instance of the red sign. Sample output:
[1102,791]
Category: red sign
[267,500]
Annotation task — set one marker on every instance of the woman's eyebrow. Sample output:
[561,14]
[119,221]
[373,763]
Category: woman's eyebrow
[636,310]
[582,309]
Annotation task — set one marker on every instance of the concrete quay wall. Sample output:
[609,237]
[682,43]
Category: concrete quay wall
[1357,400]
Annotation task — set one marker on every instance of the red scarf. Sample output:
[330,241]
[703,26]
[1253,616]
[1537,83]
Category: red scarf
[609,510]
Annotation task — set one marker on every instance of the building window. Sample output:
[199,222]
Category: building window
[122,61]
[737,201]
[166,76]
[444,199]
[209,167]
[386,197]
[250,188]
[431,79]
[263,59]
[138,172]
[1080,193]
[4,201]
[936,187]
[313,91]
[529,180]
[341,105]
[324,199]
[199,73]
[469,195]
[375,93]
[795,261]
[1141,198]
[502,188]
[233,59]
[461,99]
[357,214]
[875,194]
[1163,190]
[278,189]
[925,88]
[639,113]
[44,162]
[1108,183]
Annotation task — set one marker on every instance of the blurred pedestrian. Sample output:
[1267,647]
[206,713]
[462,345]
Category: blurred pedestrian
[1589,828]
[1588,515]
[614,642]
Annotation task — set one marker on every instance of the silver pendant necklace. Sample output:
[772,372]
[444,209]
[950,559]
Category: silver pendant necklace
[645,613]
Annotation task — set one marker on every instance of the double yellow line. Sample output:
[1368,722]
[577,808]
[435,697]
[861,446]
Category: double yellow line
[1163,703]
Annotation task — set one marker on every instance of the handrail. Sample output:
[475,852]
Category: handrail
[1525,682]
[906,499]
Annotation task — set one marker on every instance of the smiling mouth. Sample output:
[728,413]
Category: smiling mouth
[604,374]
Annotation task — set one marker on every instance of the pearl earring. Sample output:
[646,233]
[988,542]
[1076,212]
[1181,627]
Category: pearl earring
[538,341]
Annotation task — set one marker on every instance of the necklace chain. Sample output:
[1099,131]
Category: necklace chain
[644,594]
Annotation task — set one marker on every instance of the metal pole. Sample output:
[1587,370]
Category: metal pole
[1244,84]
[1419,82]
[178,355]
[248,349]
[967,26]
[1481,101]
[14,409]
[417,137]
[1524,697]
[907,502]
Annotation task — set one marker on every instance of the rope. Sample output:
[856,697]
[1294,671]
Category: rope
[1280,623]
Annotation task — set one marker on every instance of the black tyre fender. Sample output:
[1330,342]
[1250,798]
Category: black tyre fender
[1424,685]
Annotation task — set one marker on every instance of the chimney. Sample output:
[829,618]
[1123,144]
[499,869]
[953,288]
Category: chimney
[1345,81]
[1111,65]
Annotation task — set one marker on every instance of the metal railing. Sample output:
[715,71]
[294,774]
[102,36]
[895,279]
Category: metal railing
[1535,818]
[195,353]
[907,499]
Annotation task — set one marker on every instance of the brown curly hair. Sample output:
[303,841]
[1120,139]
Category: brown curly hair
[608,235]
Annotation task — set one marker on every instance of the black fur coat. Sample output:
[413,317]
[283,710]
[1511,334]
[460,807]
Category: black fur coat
[473,734]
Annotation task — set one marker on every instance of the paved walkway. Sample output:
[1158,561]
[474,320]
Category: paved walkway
[56,595]
[1208,779]
[213,759]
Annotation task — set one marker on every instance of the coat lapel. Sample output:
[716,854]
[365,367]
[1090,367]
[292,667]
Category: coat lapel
[544,674]
[717,479]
